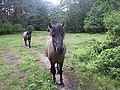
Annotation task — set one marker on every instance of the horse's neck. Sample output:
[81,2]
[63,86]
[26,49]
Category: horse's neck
[50,42]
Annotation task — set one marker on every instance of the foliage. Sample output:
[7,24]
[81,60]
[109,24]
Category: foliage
[93,48]
[99,57]
[76,13]
[38,14]
[31,27]
[94,20]
[25,12]
[108,62]
[17,28]
[83,58]
[6,28]
[112,23]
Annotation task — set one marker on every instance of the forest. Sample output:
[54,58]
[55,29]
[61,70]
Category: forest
[92,37]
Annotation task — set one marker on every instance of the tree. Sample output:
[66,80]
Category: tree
[22,11]
[76,11]
[94,20]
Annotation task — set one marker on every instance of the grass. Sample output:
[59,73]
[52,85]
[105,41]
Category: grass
[36,77]
[5,69]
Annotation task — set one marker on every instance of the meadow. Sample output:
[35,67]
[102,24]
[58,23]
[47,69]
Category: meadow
[20,69]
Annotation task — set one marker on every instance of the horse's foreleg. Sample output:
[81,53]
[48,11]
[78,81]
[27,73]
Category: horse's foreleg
[60,72]
[29,43]
[25,42]
[53,72]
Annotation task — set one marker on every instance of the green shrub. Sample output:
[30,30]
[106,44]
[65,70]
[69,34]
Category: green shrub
[108,62]
[109,44]
[6,28]
[93,48]
[112,24]
[31,27]
[17,28]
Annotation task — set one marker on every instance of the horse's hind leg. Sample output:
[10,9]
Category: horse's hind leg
[29,43]
[53,71]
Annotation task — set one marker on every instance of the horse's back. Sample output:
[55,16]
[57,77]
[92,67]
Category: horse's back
[24,33]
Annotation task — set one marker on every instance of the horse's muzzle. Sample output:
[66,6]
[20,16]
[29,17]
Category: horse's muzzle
[60,50]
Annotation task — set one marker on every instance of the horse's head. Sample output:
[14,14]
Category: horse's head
[57,34]
[29,32]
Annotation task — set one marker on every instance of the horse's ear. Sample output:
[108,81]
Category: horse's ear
[62,24]
[50,25]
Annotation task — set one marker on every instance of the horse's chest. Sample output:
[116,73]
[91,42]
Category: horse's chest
[55,57]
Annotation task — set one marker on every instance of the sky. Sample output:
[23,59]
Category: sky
[55,2]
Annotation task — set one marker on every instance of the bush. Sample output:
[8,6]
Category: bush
[108,62]
[31,27]
[112,23]
[17,28]
[6,28]
[90,52]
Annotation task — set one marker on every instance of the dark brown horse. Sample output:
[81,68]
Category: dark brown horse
[27,37]
[55,49]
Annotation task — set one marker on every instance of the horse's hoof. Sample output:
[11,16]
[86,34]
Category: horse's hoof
[54,82]
[62,84]
[50,71]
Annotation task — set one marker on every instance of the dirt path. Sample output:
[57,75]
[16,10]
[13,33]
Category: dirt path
[12,61]
[70,83]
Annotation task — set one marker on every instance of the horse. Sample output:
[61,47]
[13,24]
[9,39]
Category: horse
[55,49]
[27,37]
